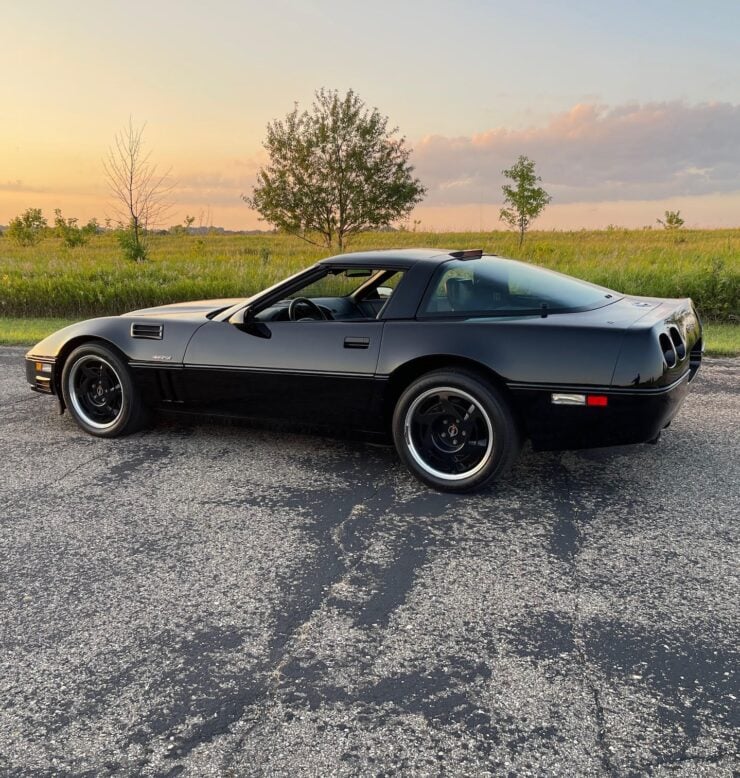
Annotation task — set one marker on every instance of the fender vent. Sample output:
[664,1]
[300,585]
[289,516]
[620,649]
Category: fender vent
[147,331]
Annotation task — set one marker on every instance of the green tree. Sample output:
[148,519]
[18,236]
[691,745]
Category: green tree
[28,228]
[139,191]
[184,228]
[334,171]
[672,221]
[71,234]
[524,200]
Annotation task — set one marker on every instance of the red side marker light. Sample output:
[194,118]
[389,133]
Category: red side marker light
[600,400]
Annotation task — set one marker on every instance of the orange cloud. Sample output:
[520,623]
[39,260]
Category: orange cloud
[621,165]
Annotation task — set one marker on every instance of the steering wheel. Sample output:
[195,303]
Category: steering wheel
[297,302]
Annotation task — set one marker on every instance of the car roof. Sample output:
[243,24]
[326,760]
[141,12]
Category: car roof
[392,257]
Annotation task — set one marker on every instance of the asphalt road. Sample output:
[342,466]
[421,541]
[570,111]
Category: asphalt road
[218,600]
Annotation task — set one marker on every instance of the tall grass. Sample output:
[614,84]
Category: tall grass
[51,280]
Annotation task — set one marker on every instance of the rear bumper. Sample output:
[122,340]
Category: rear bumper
[631,416]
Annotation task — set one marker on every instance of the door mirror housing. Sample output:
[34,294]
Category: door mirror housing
[244,320]
[242,316]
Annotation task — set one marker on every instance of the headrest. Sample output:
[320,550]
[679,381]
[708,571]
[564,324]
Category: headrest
[498,285]
[460,293]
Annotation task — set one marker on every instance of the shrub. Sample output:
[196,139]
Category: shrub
[672,221]
[70,233]
[132,246]
[28,228]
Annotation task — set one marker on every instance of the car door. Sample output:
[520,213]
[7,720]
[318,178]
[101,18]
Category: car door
[317,372]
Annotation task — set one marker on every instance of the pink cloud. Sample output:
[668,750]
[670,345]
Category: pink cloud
[593,153]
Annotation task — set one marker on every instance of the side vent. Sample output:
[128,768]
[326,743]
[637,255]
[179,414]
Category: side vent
[147,331]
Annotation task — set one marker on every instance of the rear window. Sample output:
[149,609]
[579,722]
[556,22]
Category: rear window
[491,285]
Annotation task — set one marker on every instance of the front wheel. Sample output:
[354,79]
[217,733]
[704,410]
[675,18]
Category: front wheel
[454,431]
[99,392]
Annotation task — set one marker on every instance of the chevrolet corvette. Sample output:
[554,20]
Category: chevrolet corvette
[456,356]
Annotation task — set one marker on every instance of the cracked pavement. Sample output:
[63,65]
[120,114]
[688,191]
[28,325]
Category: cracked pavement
[204,599]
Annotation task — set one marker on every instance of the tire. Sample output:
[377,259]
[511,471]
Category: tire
[100,393]
[454,431]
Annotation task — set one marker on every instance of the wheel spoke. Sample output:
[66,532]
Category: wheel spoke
[470,419]
[450,410]
[430,412]
[426,436]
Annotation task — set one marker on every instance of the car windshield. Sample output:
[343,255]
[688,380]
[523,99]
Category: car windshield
[491,285]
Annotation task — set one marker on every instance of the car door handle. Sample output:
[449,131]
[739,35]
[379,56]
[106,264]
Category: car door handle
[357,342]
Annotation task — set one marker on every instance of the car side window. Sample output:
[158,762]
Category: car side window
[462,290]
[344,293]
[492,285]
[333,284]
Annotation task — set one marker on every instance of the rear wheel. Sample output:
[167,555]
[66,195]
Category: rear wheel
[99,392]
[455,431]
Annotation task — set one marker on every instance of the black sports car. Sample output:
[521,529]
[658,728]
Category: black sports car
[456,355]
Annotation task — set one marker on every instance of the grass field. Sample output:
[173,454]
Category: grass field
[44,286]
[50,281]
[721,339]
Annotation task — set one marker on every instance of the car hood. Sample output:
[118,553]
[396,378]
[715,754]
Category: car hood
[196,308]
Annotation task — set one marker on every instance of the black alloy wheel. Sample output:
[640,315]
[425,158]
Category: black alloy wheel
[99,392]
[455,431]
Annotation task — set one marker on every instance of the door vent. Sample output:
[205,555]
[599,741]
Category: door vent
[147,331]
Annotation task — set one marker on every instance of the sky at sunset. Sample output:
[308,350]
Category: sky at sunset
[627,108]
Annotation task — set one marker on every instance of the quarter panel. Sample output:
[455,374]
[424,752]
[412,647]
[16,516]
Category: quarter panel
[641,362]
[523,350]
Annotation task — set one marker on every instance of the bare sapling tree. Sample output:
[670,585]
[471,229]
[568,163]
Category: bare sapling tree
[140,192]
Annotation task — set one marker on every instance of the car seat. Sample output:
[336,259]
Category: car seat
[460,293]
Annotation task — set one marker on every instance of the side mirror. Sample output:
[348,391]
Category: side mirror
[244,320]
[384,292]
[242,316]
